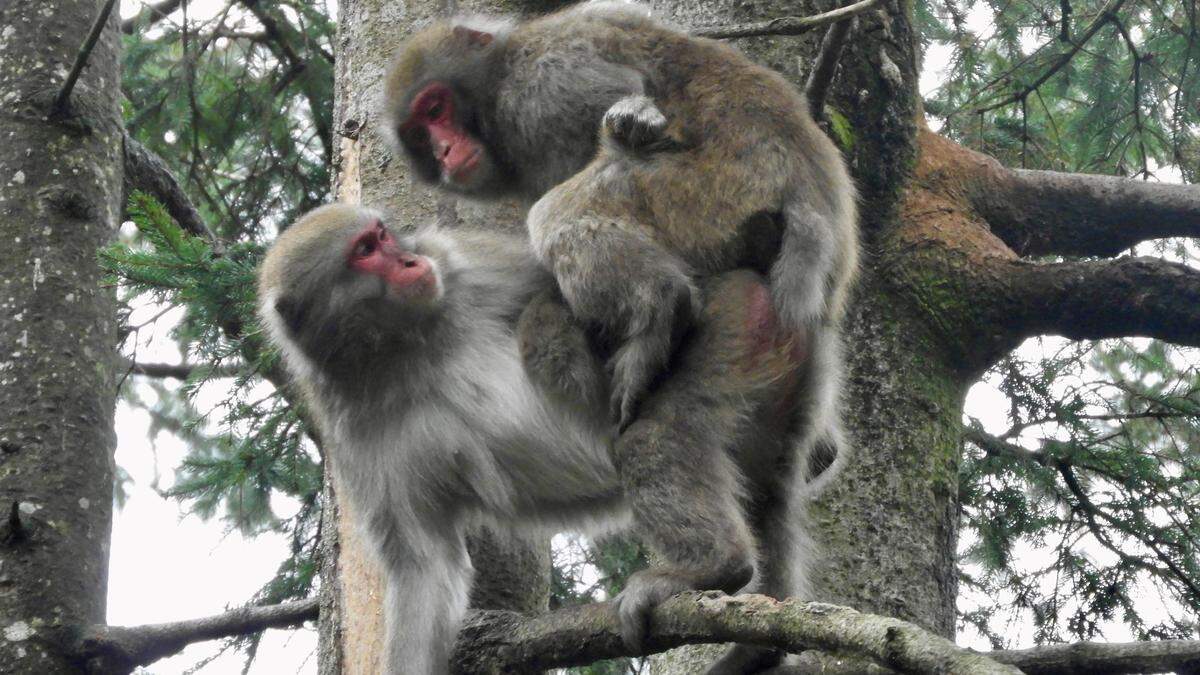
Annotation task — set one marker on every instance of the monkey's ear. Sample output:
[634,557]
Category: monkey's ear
[292,313]
[474,38]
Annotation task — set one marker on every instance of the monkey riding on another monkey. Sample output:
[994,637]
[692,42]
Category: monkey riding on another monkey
[704,162]
[453,386]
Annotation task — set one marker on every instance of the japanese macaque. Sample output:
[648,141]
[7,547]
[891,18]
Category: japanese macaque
[654,160]
[454,387]
[649,153]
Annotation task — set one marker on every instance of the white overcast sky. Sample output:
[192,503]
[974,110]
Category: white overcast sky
[167,565]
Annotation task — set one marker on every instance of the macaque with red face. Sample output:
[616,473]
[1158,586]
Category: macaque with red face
[453,386]
[653,162]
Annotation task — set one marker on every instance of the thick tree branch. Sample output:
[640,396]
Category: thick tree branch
[1143,297]
[118,649]
[1090,658]
[1040,212]
[150,15]
[786,25]
[147,172]
[1046,212]
[493,642]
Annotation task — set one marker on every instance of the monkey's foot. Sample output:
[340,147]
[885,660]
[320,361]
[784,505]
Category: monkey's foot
[633,369]
[644,591]
[636,123]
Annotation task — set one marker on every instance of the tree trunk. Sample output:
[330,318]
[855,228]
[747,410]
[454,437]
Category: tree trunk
[60,191]
[510,575]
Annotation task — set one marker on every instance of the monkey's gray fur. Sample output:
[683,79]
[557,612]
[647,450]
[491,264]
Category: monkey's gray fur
[704,162]
[438,417]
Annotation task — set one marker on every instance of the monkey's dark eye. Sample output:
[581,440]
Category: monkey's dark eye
[364,248]
[434,112]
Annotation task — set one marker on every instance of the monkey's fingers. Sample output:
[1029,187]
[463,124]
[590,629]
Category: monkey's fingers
[636,364]
[635,123]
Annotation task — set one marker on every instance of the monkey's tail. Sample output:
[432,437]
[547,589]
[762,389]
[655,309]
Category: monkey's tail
[822,447]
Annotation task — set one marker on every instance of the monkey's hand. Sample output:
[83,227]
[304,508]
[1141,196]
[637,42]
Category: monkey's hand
[636,124]
[557,355]
[644,591]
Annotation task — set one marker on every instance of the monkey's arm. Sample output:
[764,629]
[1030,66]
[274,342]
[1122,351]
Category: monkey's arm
[424,603]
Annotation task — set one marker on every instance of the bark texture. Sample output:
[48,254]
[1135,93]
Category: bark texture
[60,192]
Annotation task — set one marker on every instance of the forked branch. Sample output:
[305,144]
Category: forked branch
[1144,297]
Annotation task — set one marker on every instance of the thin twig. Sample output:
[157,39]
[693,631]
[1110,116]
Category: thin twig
[64,94]
[153,13]
[179,371]
[821,74]
[119,647]
[787,25]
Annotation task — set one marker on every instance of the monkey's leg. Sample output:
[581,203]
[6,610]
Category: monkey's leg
[677,462]
[683,493]
[616,279]
[786,553]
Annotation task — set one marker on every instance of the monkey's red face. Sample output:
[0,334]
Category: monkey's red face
[374,251]
[435,134]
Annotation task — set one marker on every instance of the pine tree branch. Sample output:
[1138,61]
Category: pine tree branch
[146,171]
[1052,213]
[1046,212]
[787,25]
[1107,13]
[149,15]
[177,371]
[1126,297]
[1091,658]
[118,649]
[493,641]
[81,58]
[280,38]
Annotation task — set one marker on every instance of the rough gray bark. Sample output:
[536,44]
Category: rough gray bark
[1091,658]
[60,192]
